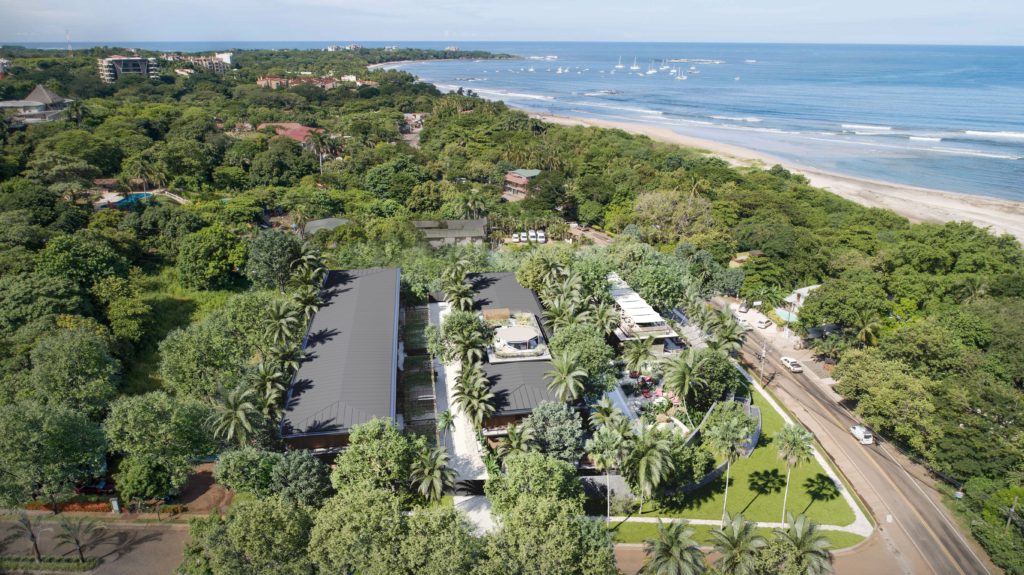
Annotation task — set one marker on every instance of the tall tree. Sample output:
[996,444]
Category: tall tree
[649,463]
[636,353]
[607,449]
[445,424]
[30,529]
[727,440]
[681,372]
[795,447]
[77,533]
[674,551]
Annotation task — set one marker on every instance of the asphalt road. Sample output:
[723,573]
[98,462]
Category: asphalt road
[918,531]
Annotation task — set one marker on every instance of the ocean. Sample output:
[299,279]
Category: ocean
[943,117]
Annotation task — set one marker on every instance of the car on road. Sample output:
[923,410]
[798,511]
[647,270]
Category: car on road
[792,364]
[862,434]
[763,323]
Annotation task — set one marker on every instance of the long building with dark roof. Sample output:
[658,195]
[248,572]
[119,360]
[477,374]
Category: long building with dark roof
[349,375]
[519,386]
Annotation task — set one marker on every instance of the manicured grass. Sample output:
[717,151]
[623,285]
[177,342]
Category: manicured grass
[63,564]
[757,483]
[631,532]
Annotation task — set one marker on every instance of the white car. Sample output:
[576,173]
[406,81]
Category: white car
[862,434]
[744,324]
[522,237]
[532,235]
[514,237]
[792,364]
[542,237]
[763,323]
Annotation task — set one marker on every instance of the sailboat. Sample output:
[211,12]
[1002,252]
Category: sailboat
[664,65]
[650,69]
[635,66]
[619,66]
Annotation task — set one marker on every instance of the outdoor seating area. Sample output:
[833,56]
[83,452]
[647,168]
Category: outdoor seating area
[517,336]
[638,319]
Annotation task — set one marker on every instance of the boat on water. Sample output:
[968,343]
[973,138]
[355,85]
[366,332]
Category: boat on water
[664,65]
[681,77]
[530,69]
[650,69]
[619,66]
[635,66]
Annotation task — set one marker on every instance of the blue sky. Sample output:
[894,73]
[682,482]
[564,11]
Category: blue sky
[842,21]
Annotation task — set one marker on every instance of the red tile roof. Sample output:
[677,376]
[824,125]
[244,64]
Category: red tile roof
[292,130]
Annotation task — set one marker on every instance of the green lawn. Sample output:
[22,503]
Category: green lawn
[630,532]
[757,483]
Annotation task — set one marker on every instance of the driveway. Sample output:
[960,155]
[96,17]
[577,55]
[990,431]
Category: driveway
[126,549]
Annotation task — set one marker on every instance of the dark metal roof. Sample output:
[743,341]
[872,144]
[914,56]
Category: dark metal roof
[314,226]
[349,373]
[518,386]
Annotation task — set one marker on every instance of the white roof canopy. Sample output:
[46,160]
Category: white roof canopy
[632,305]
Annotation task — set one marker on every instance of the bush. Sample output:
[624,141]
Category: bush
[557,431]
[29,565]
[248,470]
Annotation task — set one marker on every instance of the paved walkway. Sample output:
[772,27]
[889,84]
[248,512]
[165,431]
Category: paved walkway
[478,510]
[463,448]
[125,549]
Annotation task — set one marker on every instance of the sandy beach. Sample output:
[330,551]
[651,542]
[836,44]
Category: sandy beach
[915,204]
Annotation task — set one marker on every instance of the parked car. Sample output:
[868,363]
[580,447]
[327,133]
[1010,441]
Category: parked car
[744,307]
[763,323]
[532,235]
[522,237]
[792,364]
[862,434]
[744,324]
[100,487]
[542,237]
[515,237]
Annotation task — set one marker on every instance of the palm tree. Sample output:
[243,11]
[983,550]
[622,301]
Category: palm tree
[830,347]
[680,375]
[810,550]
[737,543]
[649,462]
[467,346]
[729,335]
[459,296]
[605,317]
[233,413]
[76,532]
[282,322]
[727,440]
[25,526]
[287,355]
[674,551]
[606,450]
[311,263]
[604,412]
[794,445]
[518,440]
[270,380]
[445,423]
[475,398]
[566,378]
[322,145]
[308,301]
[636,353]
[431,474]
[867,325]
[560,312]
[471,204]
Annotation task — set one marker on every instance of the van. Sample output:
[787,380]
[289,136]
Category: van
[862,434]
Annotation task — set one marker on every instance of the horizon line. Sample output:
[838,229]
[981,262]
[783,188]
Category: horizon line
[124,43]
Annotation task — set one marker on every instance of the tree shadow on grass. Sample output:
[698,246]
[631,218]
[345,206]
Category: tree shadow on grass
[820,488]
[682,502]
[763,483]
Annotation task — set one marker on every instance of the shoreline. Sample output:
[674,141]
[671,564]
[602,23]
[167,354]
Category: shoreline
[916,204]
